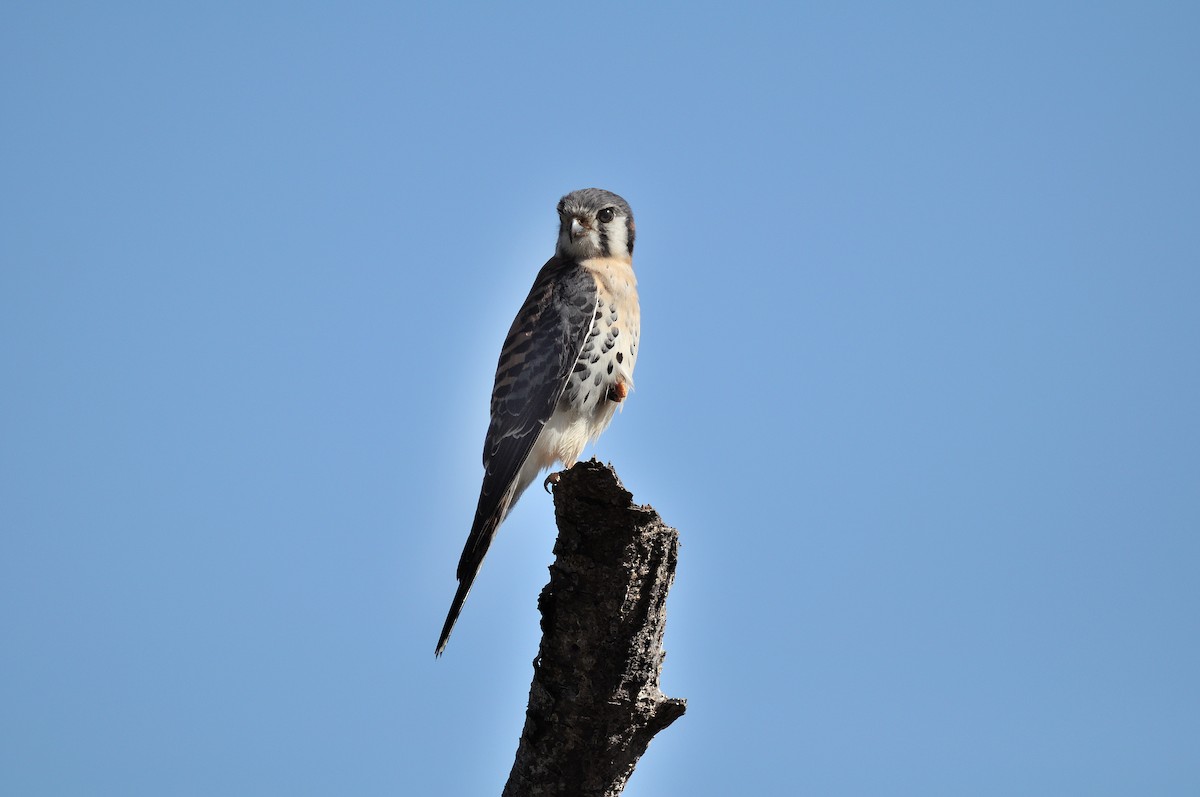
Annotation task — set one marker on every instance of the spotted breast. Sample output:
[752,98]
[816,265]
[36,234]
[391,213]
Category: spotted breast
[603,374]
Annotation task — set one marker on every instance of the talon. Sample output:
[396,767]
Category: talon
[553,478]
[617,392]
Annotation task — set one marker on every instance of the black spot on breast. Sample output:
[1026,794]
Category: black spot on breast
[579,366]
[610,367]
[620,356]
[595,359]
[612,308]
[599,313]
[614,332]
[598,379]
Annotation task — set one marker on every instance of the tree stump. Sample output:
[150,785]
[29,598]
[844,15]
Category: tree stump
[595,704]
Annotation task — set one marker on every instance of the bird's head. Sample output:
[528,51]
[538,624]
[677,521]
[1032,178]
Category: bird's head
[594,223]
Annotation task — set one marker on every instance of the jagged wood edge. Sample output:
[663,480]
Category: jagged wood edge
[595,702]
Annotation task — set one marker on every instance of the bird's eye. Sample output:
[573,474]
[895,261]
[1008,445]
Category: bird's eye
[606,215]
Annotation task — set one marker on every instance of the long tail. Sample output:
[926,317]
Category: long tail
[483,532]
[459,598]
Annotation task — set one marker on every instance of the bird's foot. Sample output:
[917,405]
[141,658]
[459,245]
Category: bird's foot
[553,478]
[618,391]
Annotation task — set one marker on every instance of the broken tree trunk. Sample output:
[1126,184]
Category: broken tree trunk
[594,704]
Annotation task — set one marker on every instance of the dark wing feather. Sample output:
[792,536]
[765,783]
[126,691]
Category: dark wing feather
[535,364]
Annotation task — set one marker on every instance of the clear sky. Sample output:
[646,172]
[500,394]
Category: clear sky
[919,386]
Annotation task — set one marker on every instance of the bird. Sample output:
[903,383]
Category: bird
[565,367]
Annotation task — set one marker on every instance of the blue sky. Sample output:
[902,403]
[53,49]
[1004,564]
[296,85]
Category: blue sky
[919,388]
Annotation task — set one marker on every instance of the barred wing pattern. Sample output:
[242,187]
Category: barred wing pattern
[535,365]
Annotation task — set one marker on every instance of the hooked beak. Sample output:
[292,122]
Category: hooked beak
[577,230]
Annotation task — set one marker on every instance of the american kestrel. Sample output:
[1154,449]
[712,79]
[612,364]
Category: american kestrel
[565,367]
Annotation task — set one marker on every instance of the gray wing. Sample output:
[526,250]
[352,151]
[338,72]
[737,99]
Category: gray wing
[535,365]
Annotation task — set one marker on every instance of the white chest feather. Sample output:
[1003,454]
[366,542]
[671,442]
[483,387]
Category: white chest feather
[603,374]
[606,363]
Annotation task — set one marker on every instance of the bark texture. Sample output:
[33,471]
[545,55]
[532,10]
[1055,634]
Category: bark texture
[594,704]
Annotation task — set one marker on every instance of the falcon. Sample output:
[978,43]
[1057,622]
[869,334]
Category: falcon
[565,367]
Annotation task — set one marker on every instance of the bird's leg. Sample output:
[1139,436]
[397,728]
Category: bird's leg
[553,478]
[618,391]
